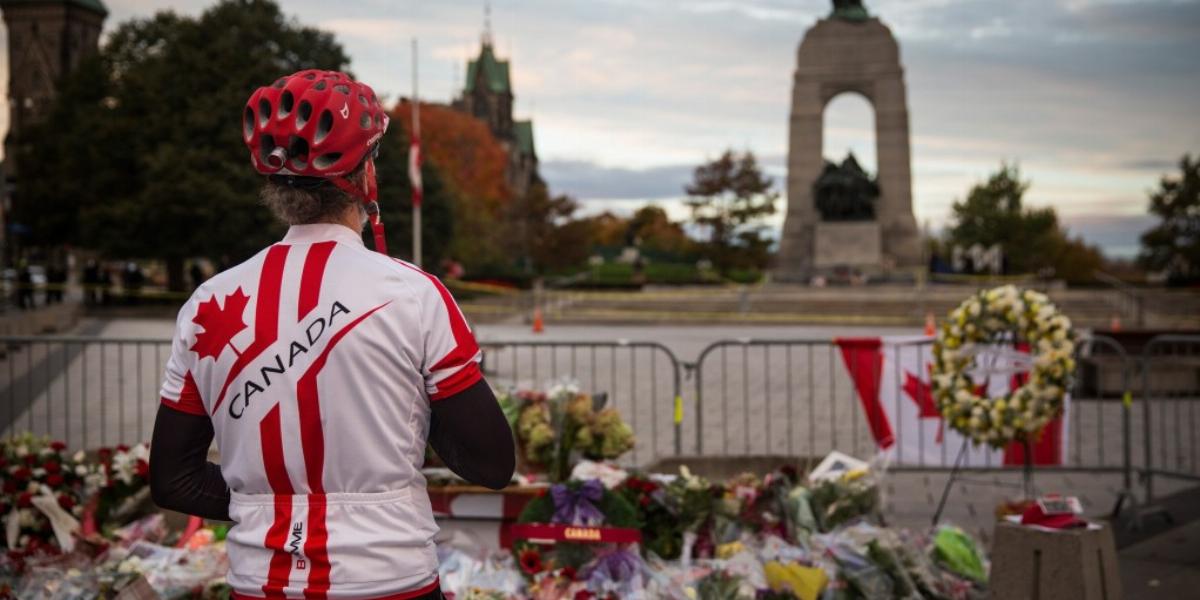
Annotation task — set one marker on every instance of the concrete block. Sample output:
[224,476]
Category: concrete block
[1033,564]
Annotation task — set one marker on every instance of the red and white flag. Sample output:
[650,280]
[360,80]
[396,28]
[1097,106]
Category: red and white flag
[891,378]
[414,171]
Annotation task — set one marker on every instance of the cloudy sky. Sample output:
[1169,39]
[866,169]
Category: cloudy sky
[1095,99]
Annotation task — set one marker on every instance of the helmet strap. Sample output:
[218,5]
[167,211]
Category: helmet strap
[369,194]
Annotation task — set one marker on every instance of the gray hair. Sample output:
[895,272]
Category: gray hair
[306,204]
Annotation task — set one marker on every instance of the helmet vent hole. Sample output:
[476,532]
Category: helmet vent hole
[264,112]
[324,126]
[248,124]
[286,102]
[282,81]
[298,150]
[343,88]
[362,100]
[298,147]
[378,120]
[310,76]
[325,161]
[266,145]
[321,85]
[304,114]
[364,121]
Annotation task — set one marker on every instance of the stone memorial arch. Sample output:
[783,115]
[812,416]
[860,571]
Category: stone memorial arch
[849,51]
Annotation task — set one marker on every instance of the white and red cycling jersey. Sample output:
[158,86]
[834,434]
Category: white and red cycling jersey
[317,361]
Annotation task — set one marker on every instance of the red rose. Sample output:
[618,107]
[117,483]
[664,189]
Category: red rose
[23,474]
[142,468]
[584,595]
[66,501]
[568,573]
[122,448]
[644,501]
[29,459]
[25,500]
[531,561]
[104,453]
[10,486]
[3,462]
[58,446]
[54,480]
[52,466]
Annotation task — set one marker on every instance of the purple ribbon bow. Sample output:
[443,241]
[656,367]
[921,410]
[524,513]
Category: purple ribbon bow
[577,507]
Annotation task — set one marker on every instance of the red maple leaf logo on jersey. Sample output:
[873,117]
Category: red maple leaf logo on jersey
[219,324]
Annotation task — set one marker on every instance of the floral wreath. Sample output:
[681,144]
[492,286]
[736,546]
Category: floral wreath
[1026,320]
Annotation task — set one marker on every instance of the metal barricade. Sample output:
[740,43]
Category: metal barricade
[85,391]
[1170,368]
[775,397]
[641,379]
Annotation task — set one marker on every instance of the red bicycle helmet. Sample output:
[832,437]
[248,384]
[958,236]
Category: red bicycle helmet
[320,124]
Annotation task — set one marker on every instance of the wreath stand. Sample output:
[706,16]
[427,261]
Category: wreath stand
[956,475]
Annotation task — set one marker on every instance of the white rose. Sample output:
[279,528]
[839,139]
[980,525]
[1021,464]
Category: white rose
[79,456]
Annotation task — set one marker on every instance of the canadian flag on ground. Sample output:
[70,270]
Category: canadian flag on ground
[891,378]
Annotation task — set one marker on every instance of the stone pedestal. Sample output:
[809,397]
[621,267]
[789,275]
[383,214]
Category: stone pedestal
[855,245]
[1032,564]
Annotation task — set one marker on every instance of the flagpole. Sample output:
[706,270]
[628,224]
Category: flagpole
[416,120]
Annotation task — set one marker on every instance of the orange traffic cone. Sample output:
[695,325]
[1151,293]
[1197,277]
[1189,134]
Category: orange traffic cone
[930,325]
[1115,324]
[538,324]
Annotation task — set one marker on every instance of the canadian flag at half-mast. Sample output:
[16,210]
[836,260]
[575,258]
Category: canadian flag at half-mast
[891,380]
[414,171]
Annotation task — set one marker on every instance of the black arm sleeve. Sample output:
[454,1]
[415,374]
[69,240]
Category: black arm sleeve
[470,434]
[181,478]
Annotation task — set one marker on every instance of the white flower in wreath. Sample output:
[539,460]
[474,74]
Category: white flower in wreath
[26,518]
[81,470]
[39,472]
[22,450]
[79,456]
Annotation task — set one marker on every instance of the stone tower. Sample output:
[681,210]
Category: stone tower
[849,51]
[46,40]
[488,96]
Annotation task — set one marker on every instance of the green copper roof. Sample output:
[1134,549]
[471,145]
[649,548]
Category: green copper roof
[523,131]
[95,6]
[849,10]
[495,71]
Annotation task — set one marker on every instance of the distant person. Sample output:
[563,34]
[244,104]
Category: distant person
[106,283]
[91,282]
[323,369]
[197,274]
[25,299]
[132,281]
[56,283]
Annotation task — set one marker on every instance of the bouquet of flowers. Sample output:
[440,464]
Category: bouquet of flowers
[125,490]
[38,479]
[554,429]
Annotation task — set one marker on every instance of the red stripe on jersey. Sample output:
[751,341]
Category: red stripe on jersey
[465,345]
[266,316]
[272,448]
[312,438]
[410,595]
[459,381]
[189,398]
[310,278]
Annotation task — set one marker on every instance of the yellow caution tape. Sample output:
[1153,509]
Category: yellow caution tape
[1127,399]
[678,410]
